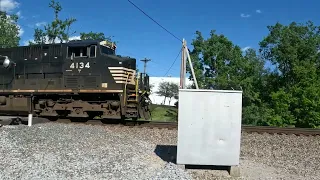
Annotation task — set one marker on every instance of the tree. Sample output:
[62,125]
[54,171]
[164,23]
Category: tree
[219,64]
[57,29]
[174,91]
[94,36]
[168,90]
[151,86]
[294,51]
[9,30]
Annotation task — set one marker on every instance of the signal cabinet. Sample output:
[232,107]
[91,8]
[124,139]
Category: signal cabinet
[209,127]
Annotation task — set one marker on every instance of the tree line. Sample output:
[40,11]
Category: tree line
[57,31]
[287,93]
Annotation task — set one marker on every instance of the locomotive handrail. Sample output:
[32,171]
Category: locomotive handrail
[125,88]
[137,87]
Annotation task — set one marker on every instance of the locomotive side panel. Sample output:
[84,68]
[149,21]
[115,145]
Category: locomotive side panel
[36,68]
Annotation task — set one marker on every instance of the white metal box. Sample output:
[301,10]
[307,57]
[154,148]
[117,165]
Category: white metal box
[209,127]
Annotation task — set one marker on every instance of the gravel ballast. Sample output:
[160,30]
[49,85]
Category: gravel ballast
[263,156]
[69,151]
[58,151]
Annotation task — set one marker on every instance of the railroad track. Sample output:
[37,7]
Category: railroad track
[174,125]
[244,128]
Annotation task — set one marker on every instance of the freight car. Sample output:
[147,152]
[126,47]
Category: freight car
[79,79]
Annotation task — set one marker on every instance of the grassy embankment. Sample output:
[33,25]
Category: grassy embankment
[164,113]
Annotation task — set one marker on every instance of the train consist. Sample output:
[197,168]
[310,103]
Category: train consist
[74,80]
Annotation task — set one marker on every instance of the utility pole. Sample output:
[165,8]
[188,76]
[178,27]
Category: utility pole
[185,55]
[145,61]
[183,66]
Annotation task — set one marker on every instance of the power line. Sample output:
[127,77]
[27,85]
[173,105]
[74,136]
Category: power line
[155,21]
[173,62]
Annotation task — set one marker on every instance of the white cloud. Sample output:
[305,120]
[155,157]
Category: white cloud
[19,14]
[245,48]
[74,38]
[245,15]
[258,11]
[21,31]
[26,43]
[8,5]
[40,24]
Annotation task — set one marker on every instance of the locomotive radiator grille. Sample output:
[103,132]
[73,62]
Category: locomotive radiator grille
[71,82]
[90,82]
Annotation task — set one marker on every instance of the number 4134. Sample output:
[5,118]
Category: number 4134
[80,65]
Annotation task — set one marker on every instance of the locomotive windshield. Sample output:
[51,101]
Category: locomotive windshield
[88,48]
[106,50]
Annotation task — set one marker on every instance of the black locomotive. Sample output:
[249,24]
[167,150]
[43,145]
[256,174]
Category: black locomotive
[78,79]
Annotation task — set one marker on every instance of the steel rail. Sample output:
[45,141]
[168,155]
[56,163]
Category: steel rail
[244,128]
[256,129]
[174,125]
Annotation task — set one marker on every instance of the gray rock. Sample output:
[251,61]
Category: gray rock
[58,151]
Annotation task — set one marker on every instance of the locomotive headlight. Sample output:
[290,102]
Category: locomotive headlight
[6,62]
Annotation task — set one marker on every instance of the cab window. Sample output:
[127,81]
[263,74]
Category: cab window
[93,51]
[82,51]
[77,52]
[106,50]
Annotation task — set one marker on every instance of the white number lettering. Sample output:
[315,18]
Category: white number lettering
[88,65]
[79,65]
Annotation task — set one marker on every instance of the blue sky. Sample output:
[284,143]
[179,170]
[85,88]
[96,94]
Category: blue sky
[244,22]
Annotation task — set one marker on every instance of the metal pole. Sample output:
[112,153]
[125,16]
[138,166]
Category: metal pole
[184,64]
[145,60]
[191,67]
[182,67]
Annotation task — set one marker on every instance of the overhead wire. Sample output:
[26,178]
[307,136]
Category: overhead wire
[162,28]
[155,21]
[173,62]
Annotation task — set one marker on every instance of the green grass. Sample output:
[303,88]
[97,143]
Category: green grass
[164,113]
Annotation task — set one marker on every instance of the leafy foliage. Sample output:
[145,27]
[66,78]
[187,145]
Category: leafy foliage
[288,95]
[294,50]
[9,30]
[94,36]
[60,30]
[168,90]
[219,64]
[56,30]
